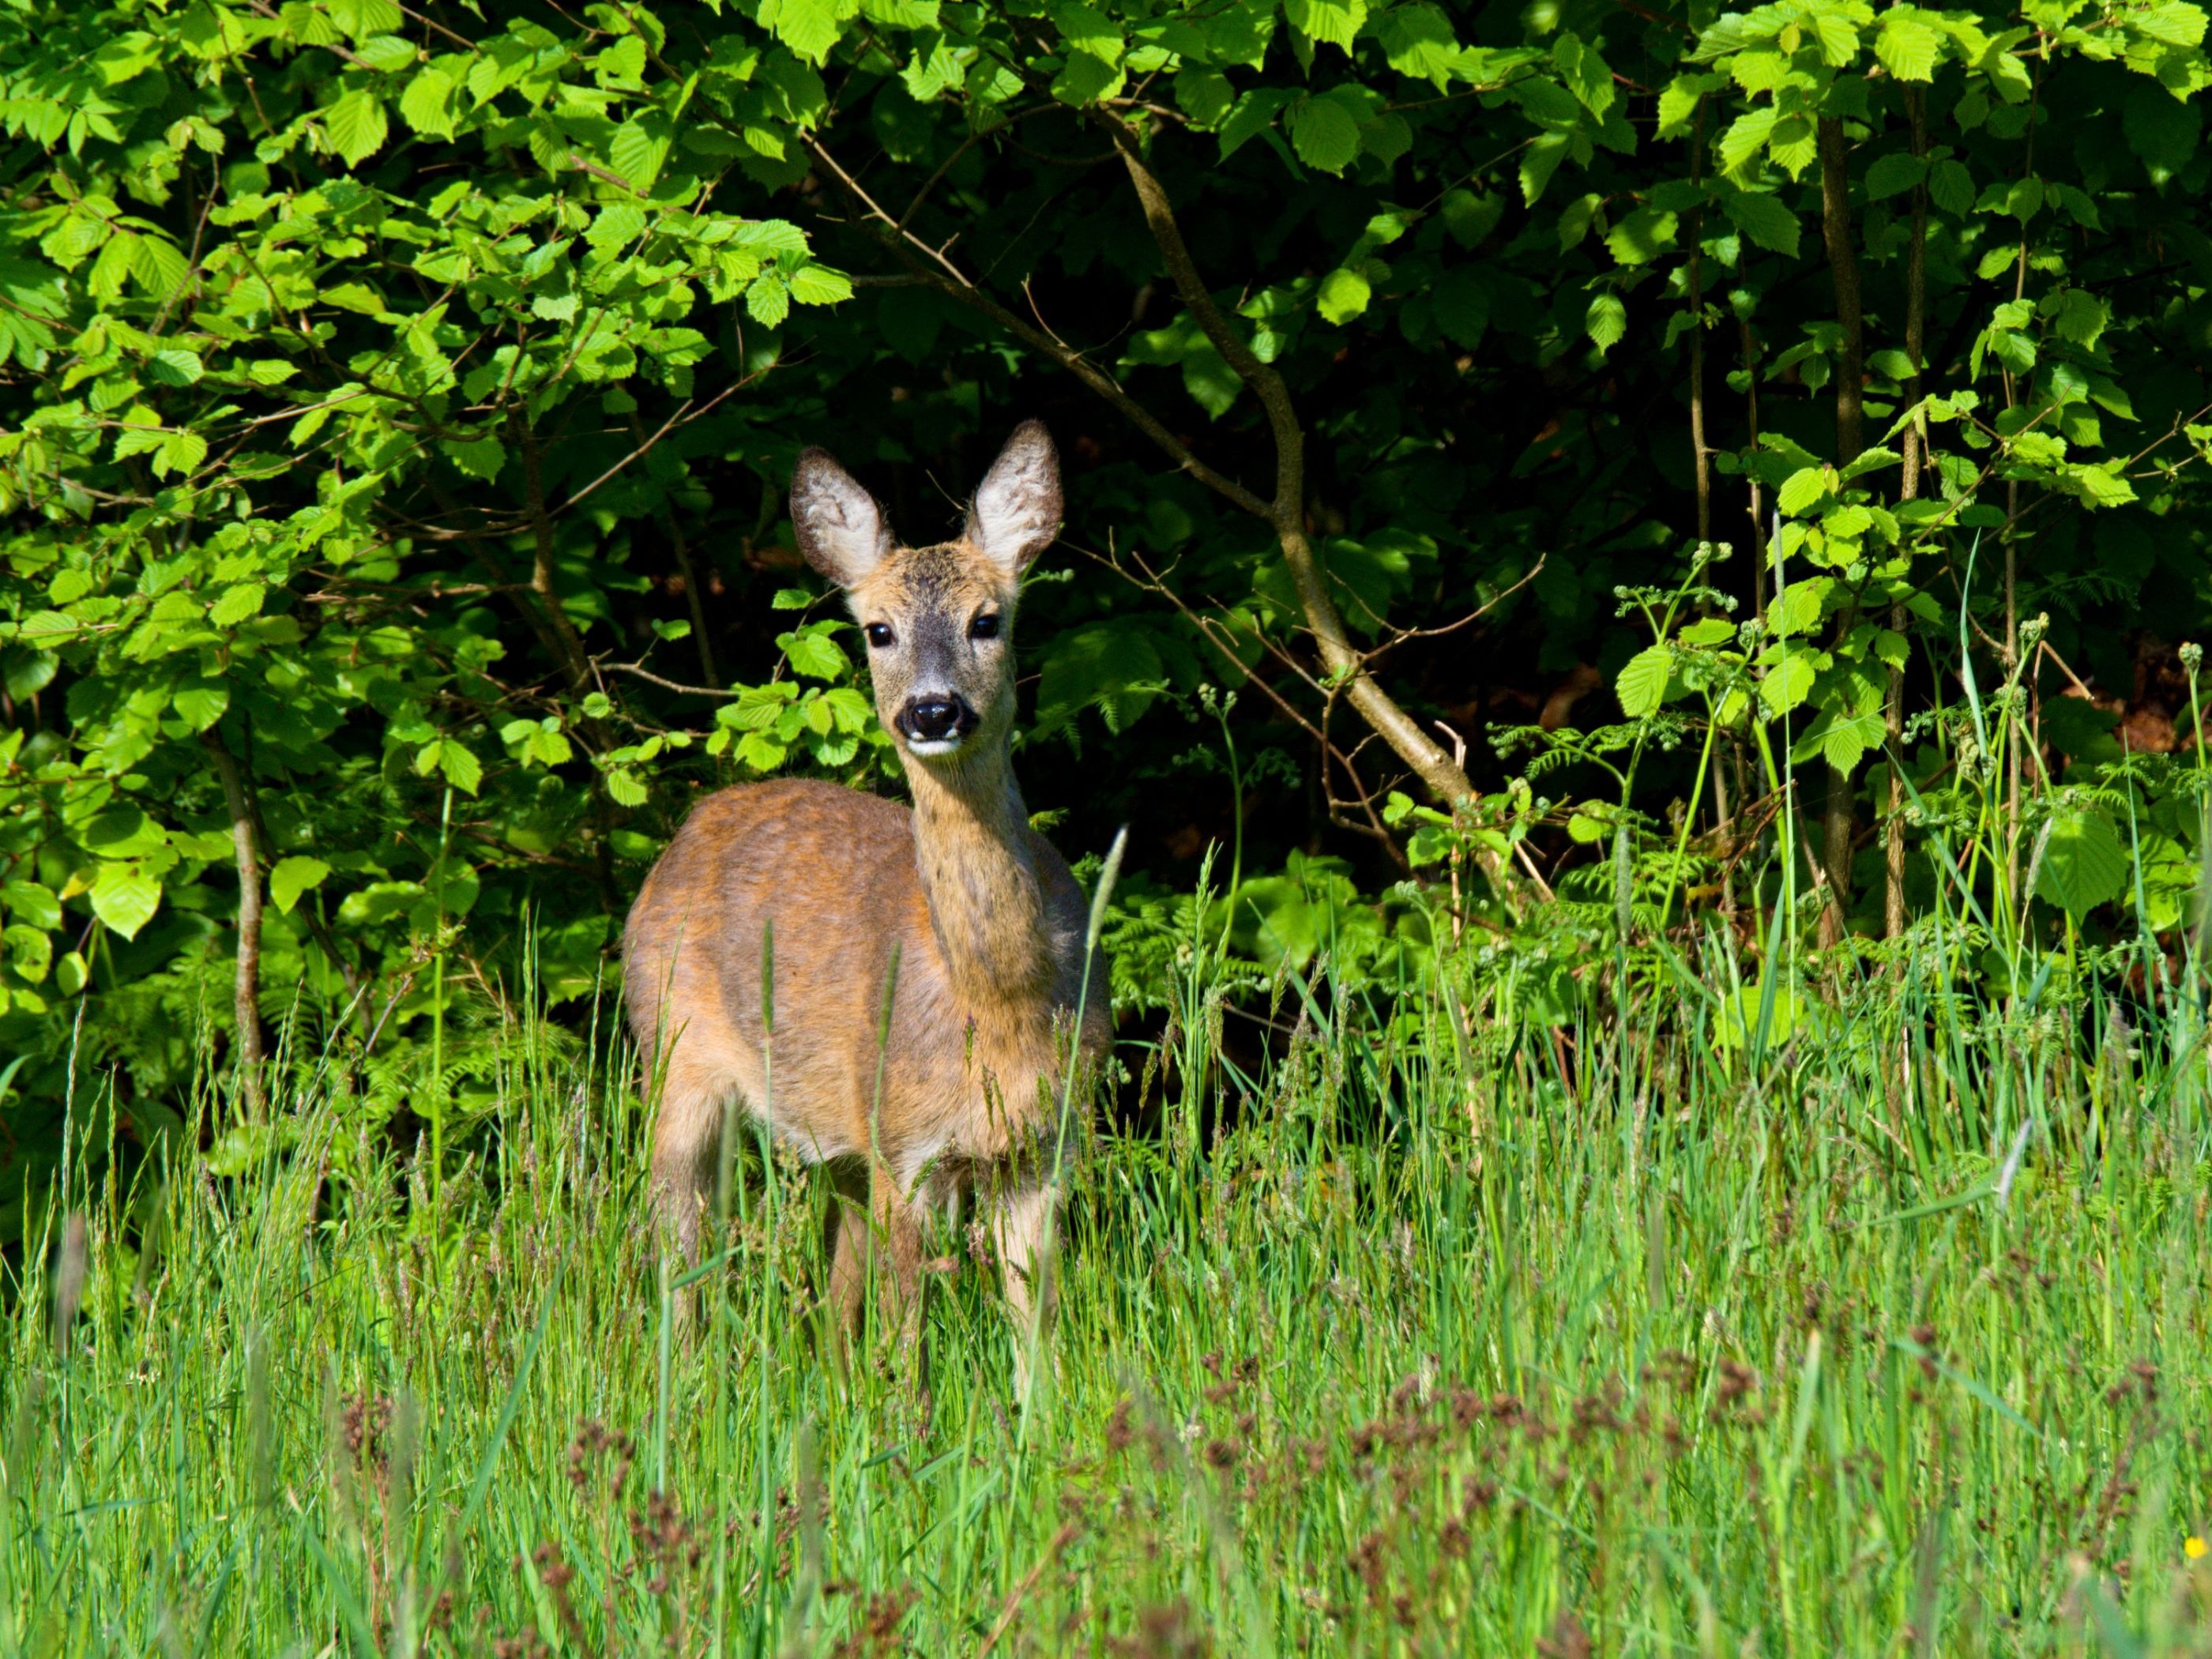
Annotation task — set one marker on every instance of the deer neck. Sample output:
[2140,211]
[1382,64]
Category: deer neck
[980,875]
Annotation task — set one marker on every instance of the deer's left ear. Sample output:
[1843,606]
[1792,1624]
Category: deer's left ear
[1016,513]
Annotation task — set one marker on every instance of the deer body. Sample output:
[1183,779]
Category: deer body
[957,911]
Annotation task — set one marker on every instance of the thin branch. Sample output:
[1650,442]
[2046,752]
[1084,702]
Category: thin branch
[1444,779]
[852,187]
[638,671]
[1400,636]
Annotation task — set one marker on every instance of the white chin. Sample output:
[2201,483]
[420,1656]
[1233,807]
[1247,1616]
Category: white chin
[929,748]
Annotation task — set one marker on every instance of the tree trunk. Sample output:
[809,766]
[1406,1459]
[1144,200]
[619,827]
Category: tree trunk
[1915,460]
[1837,825]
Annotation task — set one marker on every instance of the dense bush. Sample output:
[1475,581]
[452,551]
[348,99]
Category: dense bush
[399,401]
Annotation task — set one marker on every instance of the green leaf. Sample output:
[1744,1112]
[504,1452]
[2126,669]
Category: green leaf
[201,702]
[480,457]
[1799,605]
[1804,488]
[2082,863]
[2161,129]
[768,298]
[355,126]
[237,603]
[1254,113]
[1641,684]
[1746,139]
[818,285]
[124,896]
[459,765]
[2100,486]
[1343,295]
[1789,682]
[1205,95]
[174,366]
[1840,41]
[1765,220]
[1460,302]
[386,54]
[2176,23]
[1086,29]
[1678,103]
[1642,237]
[1470,217]
[1607,321]
[1795,144]
[1907,46]
[1111,666]
[1951,188]
[809,28]
[638,148]
[428,105]
[814,654]
[1586,74]
[294,876]
[1418,41]
[1325,133]
[1329,22]
[180,453]
[1209,380]
[1893,174]
[1848,739]
[158,266]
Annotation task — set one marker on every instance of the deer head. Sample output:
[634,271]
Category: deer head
[939,620]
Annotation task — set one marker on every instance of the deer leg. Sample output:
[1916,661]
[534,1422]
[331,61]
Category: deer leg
[851,1253]
[882,1244]
[1022,1233]
[687,1134]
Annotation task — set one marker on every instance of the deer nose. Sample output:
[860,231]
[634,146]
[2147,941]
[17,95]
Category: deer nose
[933,720]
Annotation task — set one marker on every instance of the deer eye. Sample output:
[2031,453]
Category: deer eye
[985,627]
[879,636]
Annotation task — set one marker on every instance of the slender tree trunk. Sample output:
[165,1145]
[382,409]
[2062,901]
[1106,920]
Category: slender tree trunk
[245,982]
[1837,823]
[1916,460]
[2016,900]
[1758,547]
[1748,350]
[1701,457]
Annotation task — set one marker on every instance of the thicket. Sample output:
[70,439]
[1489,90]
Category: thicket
[1538,477]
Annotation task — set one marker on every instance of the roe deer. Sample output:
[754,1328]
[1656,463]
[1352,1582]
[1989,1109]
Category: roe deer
[957,908]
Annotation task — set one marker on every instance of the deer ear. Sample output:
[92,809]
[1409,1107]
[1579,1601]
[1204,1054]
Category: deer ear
[1016,513]
[841,529]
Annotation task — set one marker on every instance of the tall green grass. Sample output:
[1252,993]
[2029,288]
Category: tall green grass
[1421,1334]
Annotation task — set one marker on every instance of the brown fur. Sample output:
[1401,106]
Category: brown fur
[974,911]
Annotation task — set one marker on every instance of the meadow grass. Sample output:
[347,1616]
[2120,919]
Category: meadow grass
[1427,1334]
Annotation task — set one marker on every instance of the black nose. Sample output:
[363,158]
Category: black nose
[933,719]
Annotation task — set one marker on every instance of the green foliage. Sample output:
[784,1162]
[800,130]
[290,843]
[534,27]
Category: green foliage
[399,402]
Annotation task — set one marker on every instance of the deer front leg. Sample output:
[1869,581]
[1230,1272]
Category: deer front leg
[1023,1234]
[687,1134]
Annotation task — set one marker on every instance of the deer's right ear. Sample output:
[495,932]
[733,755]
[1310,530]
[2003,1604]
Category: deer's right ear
[841,529]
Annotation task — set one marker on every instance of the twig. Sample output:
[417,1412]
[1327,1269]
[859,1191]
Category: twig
[640,672]
[1019,1594]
